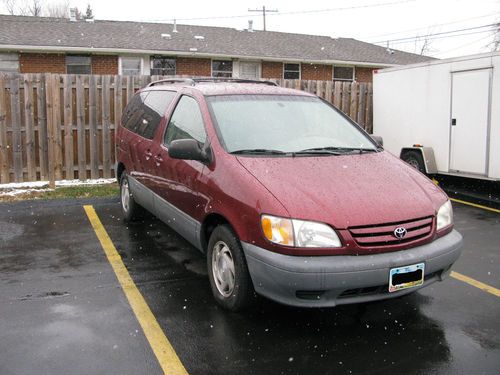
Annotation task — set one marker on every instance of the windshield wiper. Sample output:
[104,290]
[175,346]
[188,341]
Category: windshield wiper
[326,150]
[335,150]
[259,151]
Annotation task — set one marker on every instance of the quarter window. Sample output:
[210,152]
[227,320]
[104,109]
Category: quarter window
[221,68]
[162,66]
[186,122]
[131,66]
[78,64]
[343,73]
[291,71]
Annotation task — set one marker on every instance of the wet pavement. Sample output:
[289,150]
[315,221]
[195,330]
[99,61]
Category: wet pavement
[63,311]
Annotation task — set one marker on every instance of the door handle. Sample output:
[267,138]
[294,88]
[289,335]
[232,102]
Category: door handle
[158,160]
[148,154]
[453,122]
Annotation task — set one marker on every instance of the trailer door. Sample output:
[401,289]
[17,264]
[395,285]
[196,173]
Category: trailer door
[470,104]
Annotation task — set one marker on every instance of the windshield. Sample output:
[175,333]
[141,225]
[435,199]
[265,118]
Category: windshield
[283,124]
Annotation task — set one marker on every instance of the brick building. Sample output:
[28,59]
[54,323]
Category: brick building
[38,45]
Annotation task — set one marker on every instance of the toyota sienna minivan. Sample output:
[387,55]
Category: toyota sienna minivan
[285,195]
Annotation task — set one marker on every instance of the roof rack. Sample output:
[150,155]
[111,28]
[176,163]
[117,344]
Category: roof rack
[172,81]
[194,81]
[235,80]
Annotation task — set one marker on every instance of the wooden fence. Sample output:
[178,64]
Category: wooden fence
[55,127]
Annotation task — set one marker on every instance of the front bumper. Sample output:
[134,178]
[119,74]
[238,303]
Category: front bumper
[322,281]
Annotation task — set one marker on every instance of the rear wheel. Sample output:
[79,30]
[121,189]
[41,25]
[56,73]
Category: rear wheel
[130,208]
[227,270]
[415,159]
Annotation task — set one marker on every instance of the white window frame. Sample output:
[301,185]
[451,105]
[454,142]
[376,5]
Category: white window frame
[120,64]
[236,67]
[295,63]
[343,79]
[212,67]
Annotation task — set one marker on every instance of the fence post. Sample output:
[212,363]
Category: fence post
[4,159]
[43,144]
[15,115]
[51,127]
[29,120]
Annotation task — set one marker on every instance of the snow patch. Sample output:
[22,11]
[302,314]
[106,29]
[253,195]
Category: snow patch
[45,184]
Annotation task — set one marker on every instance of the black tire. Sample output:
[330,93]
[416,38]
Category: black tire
[130,209]
[241,295]
[415,159]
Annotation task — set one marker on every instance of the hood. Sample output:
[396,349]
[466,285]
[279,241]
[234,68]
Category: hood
[347,190]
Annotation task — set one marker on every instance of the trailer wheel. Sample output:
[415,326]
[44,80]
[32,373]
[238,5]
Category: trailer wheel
[415,159]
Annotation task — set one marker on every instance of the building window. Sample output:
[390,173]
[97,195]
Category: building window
[162,66]
[291,71]
[131,66]
[78,64]
[343,73]
[222,68]
[9,62]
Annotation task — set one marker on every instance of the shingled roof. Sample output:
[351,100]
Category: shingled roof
[31,33]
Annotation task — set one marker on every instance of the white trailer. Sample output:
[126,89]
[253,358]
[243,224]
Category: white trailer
[442,116]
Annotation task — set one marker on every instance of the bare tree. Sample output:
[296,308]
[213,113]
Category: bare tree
[426,46]
[58,10]
[11,6]
[24,7]
[15,7]
[35,8]
[495,44]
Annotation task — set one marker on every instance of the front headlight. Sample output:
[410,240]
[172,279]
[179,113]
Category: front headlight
[298,233]
[444,216]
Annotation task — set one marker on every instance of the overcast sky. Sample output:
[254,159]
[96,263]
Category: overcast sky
[368,20]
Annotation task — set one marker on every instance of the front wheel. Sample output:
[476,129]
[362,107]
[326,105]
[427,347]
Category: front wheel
[227,270]
[130,208]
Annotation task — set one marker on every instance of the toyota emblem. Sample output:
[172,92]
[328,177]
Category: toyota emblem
[400,232]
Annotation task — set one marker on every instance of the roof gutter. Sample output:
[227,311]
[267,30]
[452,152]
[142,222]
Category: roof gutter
[55,49]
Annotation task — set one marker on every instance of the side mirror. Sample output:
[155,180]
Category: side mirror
[188,149]
[377,139]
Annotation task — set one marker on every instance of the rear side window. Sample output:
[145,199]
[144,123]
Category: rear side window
[154,108]
[145,111]
[186,122]
[133,112]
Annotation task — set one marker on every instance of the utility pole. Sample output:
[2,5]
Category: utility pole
[264,11]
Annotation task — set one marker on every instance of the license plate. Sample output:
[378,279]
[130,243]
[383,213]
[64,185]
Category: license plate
[406,277]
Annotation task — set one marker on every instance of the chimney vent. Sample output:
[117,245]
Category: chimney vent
[250,26]
[175,27]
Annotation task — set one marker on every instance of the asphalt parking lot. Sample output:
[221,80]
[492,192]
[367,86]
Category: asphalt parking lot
[67,306]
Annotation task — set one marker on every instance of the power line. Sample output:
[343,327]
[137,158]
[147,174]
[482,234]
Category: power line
[445,36]
[435,25]
[462,46]
[431,36]
[288,13]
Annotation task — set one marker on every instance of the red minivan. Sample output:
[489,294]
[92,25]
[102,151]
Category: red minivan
[284,194]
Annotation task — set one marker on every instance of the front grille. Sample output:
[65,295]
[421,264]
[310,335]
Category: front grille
[383,234]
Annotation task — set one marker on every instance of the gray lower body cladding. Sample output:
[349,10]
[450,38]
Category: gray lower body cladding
[323,281]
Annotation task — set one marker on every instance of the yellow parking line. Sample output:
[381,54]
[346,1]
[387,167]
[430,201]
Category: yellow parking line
[165,353]
[477,284]
[475,205]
